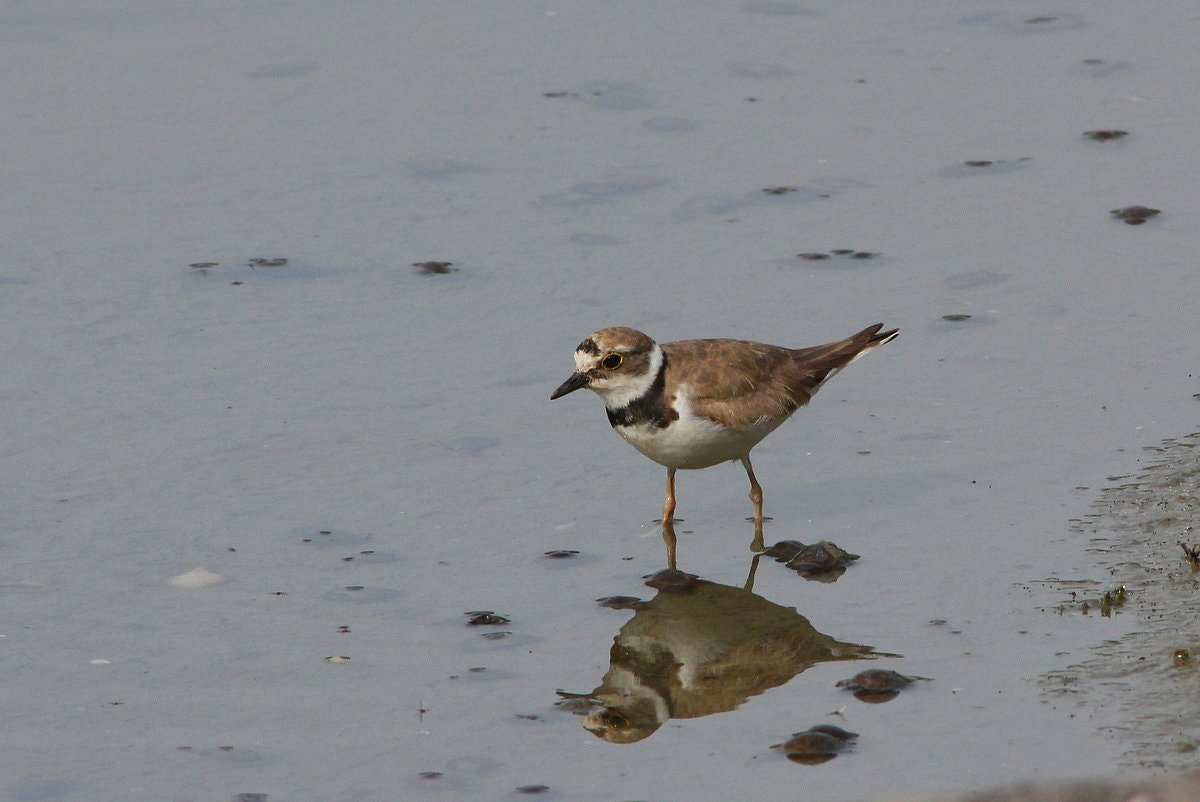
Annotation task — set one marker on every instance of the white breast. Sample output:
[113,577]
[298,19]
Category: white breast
[694,442]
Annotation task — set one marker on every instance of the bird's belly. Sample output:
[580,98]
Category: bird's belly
[692,442]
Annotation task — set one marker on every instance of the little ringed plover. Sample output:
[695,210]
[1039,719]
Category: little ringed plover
[694,403]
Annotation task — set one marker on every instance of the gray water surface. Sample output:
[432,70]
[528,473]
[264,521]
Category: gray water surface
[651,165]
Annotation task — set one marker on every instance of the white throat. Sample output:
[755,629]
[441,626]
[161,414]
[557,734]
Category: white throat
[620,392]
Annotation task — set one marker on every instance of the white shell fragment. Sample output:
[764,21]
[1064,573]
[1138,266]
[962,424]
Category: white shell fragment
[196,578]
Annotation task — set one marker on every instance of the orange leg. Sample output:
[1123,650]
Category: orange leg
[669,504]
[756,496]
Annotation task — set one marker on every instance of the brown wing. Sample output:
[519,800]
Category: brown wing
[745,382]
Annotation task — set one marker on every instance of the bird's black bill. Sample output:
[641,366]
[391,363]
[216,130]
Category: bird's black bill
[572,384]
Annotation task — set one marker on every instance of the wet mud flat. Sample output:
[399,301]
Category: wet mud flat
[1182,789]
[1145,685]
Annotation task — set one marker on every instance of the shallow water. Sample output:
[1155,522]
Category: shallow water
[362,451]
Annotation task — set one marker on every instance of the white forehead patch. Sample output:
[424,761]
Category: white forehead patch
[585,361]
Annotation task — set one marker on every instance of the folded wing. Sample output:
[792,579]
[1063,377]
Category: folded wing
[747,383]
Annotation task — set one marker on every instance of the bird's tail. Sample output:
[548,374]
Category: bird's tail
[826,360]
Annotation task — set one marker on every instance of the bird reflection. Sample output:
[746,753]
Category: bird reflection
[699,648]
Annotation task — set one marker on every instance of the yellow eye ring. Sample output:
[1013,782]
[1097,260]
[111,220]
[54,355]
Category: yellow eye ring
[612,361]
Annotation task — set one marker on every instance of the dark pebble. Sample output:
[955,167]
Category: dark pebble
[784,550]
[434,268]
[1135,215]
[836,732]
[818,743]
[877,684]
[822,557]
[619,602]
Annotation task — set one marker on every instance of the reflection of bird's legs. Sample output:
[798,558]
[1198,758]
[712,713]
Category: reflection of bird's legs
[669,504]
[756,496]
[749,586]
[668,533]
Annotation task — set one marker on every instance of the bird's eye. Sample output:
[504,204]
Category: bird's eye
[612,361]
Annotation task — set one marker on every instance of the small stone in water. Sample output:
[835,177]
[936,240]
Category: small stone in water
[434,268]
[1135,215]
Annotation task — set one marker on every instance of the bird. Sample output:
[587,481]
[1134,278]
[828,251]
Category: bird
[692,404]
